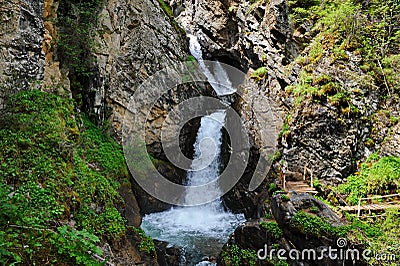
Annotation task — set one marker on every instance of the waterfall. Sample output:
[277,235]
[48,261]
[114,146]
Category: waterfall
[201,230]
[218,78]
[207,151]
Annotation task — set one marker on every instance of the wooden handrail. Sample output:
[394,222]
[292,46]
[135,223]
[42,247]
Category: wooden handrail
[373,197]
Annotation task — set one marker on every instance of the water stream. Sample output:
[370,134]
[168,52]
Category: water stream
[200,230]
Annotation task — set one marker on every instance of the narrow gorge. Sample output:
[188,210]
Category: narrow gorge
[199,132]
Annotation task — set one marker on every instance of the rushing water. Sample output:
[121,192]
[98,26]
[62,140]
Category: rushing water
[217,77]
[200,230]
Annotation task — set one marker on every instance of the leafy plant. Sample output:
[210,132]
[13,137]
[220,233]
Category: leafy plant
[49,170]
[77,244]
[235,256]
[146,243]
[273,229]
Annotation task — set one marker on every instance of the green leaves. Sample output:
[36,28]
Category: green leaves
[78,244]
[146,243]
[235,256]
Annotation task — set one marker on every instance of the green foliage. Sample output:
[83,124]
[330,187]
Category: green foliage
[268,215]
[76,244]
[167,10]
[370,30]
[190,58]
[272,188]
[285,132]
[277,262]
[146,243]
[312,225]
[49,170]
[233,255]
[75,42]
[380,178]
[302,10]
[259,74]
[285,197]
[277,155]
[273,229]
[314,209]
[317,184]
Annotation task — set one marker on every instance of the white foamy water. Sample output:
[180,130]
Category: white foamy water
[218,78]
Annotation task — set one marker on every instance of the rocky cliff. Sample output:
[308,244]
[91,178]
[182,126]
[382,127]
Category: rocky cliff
[21,55]
[326,132]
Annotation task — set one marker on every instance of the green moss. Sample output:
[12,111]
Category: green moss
[259,74]
[273,229]
[168,11]
[311,225]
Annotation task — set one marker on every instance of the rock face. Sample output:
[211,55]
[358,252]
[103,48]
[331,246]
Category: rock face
[254,235]
[392,146]
[136,39]
[168,255]
[21,57]
[248,34]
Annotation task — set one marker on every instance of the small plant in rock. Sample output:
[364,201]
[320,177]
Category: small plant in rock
[314,209]
[272,228]
[285,197]
[259,74]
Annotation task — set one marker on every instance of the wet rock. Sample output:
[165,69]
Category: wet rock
[168,255]
[149,204]
[131,209]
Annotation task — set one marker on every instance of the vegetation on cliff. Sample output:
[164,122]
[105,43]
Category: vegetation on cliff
[59,176]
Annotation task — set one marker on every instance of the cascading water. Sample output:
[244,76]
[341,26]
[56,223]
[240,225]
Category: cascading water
[201,230]
[218,78]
